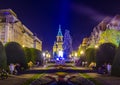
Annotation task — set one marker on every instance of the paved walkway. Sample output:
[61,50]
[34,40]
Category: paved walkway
[105,79]
[18,79]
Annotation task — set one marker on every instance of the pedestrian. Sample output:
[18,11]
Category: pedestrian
[38,63]
[104,68]
[12,68]
[17,69]
[83,63]
[109,68]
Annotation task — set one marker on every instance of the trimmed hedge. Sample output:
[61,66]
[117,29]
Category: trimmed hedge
[105,54]
[34,55]
[90,55]
[15,54]
[116,64]
[3,58]
[28,54]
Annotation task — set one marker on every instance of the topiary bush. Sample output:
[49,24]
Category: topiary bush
[15,54]
[3,58]
[105,54]
[28,54]
[90,54]
[36,55]
[116,64]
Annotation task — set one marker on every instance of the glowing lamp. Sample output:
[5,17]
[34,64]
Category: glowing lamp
[43,54]
[82,52]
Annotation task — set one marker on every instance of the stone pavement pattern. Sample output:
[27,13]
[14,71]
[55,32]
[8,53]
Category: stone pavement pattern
[105,79]
[18,80]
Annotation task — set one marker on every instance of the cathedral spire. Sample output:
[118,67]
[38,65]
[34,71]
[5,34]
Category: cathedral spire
[59,32]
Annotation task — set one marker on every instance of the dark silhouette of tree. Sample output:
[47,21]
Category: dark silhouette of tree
[90,55]
[15,54]
[36,55]
[28,54]
[116,64]
[105,54]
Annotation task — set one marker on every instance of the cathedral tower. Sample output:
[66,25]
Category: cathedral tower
[58,45]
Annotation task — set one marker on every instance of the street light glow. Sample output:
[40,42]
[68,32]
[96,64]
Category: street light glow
[43,54]
[82,52]
[96,46]
[75,54]
[23,46]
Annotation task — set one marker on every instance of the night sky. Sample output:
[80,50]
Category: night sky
[43,17]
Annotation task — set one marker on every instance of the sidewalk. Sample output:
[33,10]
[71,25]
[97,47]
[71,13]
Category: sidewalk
[18,79]
[105,79]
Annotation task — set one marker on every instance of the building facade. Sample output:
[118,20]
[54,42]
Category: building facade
[106,24]
[12,30]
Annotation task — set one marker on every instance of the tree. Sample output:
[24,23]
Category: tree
[67,44]
[105,54]
[15,54]
[116,64]
[3,58]
[90,55]
[28,54]
[36,55]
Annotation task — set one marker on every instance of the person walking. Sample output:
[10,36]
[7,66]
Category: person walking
[109,68]
[12,68]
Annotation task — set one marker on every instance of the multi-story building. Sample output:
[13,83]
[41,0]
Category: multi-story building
[12,30]
[37,43]
[107,23]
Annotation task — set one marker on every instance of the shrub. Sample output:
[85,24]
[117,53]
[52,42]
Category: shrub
[28,54]
[116,64]
[105,54]
[36,55]
[90,55]
[15,54]
[3,58]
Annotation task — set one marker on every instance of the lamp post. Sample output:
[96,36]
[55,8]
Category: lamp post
[75,57]
[81,52]
[96,46]
[43,54]
[44,59]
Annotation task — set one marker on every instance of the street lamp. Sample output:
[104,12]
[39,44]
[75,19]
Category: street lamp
[23,46]
[82,52]
[75,54]
[75,57]
[43,54]
[70,56]
[44,59]
[96,46]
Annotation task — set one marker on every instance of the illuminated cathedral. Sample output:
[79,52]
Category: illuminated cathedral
[58,44]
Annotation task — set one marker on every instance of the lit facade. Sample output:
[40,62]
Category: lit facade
[12,30]
[83,46]
[107,23]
